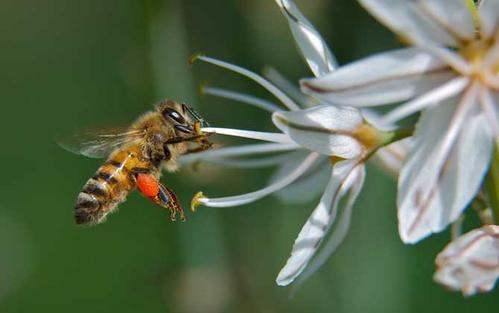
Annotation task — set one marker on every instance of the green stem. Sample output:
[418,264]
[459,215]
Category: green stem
[491,185]
[482,209]
[474,12]
[396,135]
[390,137]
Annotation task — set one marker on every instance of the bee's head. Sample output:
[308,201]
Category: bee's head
[182,117]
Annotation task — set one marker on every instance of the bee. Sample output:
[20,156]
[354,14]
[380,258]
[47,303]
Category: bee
[135,158]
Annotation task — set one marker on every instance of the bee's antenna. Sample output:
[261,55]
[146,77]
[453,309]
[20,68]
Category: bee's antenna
[196,116]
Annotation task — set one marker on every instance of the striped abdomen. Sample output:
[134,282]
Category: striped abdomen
[107,188]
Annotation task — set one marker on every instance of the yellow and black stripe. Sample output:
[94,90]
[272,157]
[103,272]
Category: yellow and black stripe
[105,190]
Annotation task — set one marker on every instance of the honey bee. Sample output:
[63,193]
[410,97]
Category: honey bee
[135,158]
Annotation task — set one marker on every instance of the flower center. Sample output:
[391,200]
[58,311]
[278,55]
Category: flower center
[476,53]
[369,136]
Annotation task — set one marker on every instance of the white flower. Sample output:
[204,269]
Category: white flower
[451,73]
[313,139]
[302,161]
[471,262]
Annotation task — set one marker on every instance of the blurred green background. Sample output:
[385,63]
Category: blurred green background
[69,64]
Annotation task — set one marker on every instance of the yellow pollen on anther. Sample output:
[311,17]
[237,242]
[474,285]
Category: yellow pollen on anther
[475,53]
[335,159]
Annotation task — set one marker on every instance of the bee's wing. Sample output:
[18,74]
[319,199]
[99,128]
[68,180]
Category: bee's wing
[99,144]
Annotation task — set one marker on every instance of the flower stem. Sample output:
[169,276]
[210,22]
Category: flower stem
[474,12]
[397,135]
[491,185]
[390,137]
[482,209]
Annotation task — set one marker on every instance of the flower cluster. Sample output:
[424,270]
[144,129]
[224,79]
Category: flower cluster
[449,72]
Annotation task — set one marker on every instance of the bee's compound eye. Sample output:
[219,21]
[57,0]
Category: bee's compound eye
[174,115]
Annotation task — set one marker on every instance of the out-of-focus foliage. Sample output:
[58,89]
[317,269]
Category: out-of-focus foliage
[70,64]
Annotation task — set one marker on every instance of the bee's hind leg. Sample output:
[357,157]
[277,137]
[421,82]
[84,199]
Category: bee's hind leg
[150,187]
[169,199]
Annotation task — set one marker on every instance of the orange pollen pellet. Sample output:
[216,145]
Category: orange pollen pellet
[147,184]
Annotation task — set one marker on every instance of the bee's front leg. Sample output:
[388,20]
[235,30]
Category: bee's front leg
[150,187]
[203,146]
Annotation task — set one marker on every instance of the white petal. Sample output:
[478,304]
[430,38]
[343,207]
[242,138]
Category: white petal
[490,103]
[445,13]
[380,79]
[432,97]
[380,67]
[314,230]
[489,17]
[375,118]
[471,262]
[306,188]
[452,58]
[451,154]
[410,21]
[323,129]
[339,233]
[326,117]
[466,169]
[241,97]
[250,134]
[384,92]
[256,195]
[313,48]
[491,58]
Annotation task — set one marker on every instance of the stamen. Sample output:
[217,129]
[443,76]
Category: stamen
[256,195]
[250,163]
[239,151]
[432,97]
[285,85]
[255,77]
[271,137]
[196,201]
[241,97]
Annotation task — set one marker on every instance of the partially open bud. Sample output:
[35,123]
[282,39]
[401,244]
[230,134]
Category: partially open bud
[334,131]
[314,49]
[471,262]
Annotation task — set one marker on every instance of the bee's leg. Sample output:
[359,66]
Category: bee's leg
[175,140]
[169,199]
[150,187]
[202,147]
